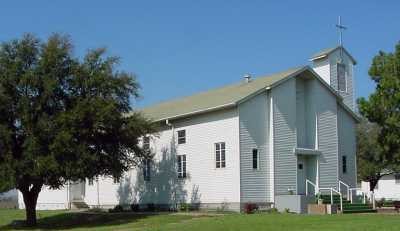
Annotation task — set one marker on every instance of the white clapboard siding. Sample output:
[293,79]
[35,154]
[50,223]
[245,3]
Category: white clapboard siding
[347,146]
[284,98]
[253,123]
[326,108]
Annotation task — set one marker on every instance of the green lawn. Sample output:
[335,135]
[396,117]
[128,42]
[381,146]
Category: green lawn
[51,220]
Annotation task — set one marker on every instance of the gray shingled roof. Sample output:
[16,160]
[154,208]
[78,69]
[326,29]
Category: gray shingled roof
[217,98]
[326,52]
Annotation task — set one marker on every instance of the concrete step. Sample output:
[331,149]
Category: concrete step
[79,205]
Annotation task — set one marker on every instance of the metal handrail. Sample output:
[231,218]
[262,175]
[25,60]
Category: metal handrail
[348,188]
[315,187]
[332,190]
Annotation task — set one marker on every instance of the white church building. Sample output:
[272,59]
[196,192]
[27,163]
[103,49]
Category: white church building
[256,141]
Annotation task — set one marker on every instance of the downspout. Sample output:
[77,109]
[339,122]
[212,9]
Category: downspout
[271,147]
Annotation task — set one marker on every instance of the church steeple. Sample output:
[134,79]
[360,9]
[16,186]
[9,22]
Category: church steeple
[336,67]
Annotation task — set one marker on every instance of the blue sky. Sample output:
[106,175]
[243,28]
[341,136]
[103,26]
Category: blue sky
[178,48]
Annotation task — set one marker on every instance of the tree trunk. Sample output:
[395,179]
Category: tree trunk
[30,200]
[373,181]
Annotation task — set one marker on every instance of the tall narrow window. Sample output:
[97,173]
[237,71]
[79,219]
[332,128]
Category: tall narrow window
[146,169]
[146,143]
[220,155]
[255,158]
[181,136]
[341,77]
[397,178]
[344,164]
[181,166]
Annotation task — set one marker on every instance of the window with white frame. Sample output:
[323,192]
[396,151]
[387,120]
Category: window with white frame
[181,166]
[397,178]
[146,169]
[181,136]
[255,158]
[220,161]
[341,77]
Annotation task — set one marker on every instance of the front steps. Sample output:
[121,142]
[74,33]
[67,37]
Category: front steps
[79,205]
[348,207]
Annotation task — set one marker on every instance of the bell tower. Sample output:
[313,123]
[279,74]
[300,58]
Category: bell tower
[336,67]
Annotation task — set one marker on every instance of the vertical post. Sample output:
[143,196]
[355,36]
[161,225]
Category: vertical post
[98,193]
[341,202]
[306,187]
[351,196]
[373,200]
[364,198]
[331,196]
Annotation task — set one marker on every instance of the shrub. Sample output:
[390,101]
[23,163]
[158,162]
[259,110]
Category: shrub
[135,207]
[287,210]
[250,208]
[273,210]
[224,207]
[184,207]
[116,209]
[151,207]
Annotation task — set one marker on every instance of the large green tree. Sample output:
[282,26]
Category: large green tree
[383,109]
[63,118]
[370,164]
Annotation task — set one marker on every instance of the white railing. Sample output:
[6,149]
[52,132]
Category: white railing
[347,186]
[332,190]
[364,195]
[314,185]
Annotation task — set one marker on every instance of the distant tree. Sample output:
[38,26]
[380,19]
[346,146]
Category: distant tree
[63,119]
[383,108]
[370,164]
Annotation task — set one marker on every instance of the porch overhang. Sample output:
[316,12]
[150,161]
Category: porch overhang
[307,151]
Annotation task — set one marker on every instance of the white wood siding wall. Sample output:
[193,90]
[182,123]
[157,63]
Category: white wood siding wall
[284,111]
[253,124]
[347,146]
[325,106]
[204,183]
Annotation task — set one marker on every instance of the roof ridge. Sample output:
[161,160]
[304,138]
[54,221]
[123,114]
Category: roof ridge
[215,98]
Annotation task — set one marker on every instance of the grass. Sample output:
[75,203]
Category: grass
[59,220]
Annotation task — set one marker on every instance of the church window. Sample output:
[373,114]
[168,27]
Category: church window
[341,77]
[344,164]
[255,158]
[146,169]
[181,166]
[181,136]
[220,155]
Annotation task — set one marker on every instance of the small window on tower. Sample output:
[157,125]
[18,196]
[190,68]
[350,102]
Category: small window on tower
[341,77]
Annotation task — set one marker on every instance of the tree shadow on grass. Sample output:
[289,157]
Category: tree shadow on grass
[70,220]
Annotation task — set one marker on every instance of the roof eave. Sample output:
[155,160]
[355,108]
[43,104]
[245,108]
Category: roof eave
[211,109]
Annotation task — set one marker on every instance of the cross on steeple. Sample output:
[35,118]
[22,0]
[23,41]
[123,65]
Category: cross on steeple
[340,28]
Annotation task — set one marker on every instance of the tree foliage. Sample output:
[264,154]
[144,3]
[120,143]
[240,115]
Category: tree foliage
[383,108]
[370,165]
[63,118]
